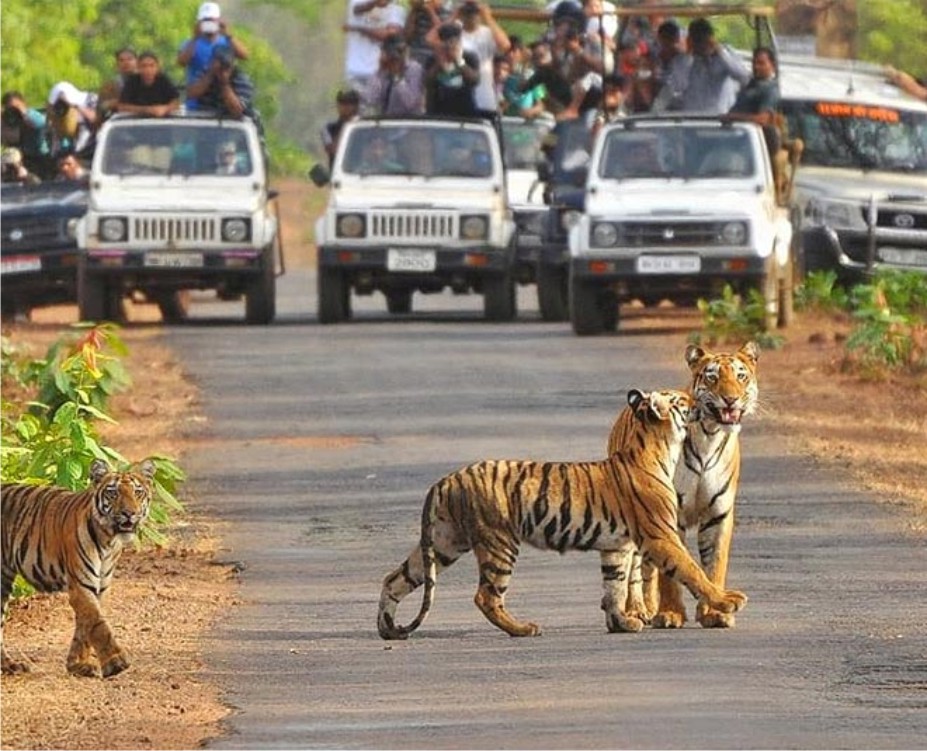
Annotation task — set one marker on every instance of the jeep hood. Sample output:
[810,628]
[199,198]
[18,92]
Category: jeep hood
[179,194]
[634,198]
[830,182]
[417,194]
[520,183]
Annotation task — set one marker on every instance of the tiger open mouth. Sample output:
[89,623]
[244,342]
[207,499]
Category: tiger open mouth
[727,415]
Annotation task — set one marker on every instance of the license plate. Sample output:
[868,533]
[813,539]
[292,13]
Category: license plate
[904,256]
[20,264]
[401,259]
[669,264]
[174,260]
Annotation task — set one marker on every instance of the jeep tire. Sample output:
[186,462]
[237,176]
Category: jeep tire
[334,296]
[499,297]
[399,301]
[553,294]
[261,292]
[592,310]
[97,300]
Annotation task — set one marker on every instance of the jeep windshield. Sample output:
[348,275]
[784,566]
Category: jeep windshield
[432,151]
[849,135]
[692,152]
[177,149]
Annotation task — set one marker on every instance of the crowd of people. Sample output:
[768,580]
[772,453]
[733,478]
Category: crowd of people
[452,58]
[57,141]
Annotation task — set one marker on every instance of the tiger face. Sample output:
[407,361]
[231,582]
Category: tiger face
[724,385]
[122,499]
[674,408]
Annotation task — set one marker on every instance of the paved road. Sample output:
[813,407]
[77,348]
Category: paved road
[320,445]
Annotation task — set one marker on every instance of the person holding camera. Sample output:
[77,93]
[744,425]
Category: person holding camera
[398,87]
[210,32]
[223,88]
[424,15]
[14,171]
[26,129]
[451,76]
[72,119]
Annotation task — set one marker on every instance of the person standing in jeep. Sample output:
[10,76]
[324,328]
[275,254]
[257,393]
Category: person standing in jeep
[223,87]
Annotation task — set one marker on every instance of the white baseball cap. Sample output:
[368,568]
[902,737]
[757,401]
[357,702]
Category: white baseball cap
[208,10]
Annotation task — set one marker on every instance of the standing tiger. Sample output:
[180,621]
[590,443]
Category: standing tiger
[725,389]
[612,505]
[57,538]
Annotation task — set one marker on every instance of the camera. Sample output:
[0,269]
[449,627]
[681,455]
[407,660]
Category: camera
[12,117]
[61,107]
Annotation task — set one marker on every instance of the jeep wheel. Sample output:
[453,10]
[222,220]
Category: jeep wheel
[261,293]
[334,296]
[587,313]
[97,300]
[499,297]
[399,301]
[553,295]
[173,304]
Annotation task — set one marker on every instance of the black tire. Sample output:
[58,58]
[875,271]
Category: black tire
[399,301]
[610,312]
[587,314]
[174,305]
[553,293]
[786,311]
[334,296]
[97,300]
[499,297]
[261,293]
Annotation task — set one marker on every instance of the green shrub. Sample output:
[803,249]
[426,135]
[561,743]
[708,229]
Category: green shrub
[51,438]
[731,319]
[820,292]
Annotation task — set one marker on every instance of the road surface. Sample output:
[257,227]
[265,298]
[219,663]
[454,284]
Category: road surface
[320,445]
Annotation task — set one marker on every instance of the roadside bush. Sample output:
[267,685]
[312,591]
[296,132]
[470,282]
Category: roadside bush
[732,319]
[49,410]
[820,292]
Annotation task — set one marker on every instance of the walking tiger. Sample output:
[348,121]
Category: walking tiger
[612,505]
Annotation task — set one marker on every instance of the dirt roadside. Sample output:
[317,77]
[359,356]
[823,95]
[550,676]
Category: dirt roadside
[165,602]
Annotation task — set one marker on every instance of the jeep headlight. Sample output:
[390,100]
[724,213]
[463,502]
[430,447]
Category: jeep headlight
[350,225]
[474,227]
[113,229]
[835,214]
[236,230]
[569,219]
[604,235]
[734,233]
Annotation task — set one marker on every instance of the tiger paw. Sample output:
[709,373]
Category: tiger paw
[525,629]
[83,669]
[715,619]
[14,667]
[669,619]
[617,623]
[114,665]
[731,602]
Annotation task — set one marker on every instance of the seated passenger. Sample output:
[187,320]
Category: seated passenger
[379,157]
[227,159]
[635,157]
[149,91]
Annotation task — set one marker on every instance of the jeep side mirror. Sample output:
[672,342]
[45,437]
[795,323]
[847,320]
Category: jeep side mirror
[320,175]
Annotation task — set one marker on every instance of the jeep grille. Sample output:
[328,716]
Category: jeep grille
[670,234]
[174,229]
[419,225]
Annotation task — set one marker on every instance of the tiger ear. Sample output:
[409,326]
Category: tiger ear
[98,470]
[694,356]
[635,397]
[147,468]
[750,351]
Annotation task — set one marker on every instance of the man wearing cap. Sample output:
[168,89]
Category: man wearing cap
[398,86]
[486,39]
[451,76]
[369,22]
[716,74]
[209,32]
[72,115]
[223,88]
[347,102]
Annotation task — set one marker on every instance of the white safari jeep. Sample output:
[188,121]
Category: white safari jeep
[178,203]
[675,208]
[415,204]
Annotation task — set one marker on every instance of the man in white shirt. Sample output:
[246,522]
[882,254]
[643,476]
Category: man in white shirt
[485,38]
[368,23]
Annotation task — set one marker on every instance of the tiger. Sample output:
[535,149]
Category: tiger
[60,539]
[613,506]
[725,388]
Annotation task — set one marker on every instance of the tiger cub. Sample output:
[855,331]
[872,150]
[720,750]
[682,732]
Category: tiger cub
[57,538]
[611,506]
[725,389]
